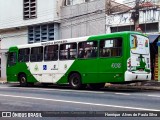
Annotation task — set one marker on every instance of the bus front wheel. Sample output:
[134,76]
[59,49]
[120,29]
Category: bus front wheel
[75,81]
[23,80]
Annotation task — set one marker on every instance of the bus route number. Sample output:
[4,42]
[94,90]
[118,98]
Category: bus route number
[116,65]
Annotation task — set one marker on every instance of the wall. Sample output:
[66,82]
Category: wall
[11,38]
[123,19]
[149,16]
[11,13]
[83,19]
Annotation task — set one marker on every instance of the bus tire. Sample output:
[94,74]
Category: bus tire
[75,81]
[23,80]
[96,86]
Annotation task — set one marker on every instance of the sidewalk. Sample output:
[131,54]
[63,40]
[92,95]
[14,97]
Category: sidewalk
[148,85]
[2,81]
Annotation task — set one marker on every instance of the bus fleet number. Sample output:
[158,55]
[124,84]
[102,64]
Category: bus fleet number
[116,65]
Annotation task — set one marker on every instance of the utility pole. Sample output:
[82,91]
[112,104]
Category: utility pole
[135,16]
[108,7]
[136,21]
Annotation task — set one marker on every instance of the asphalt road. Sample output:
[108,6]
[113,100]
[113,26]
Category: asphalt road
[53,98]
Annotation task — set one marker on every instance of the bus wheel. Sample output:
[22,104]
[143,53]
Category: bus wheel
[96,86]
[75,81]
[23,80]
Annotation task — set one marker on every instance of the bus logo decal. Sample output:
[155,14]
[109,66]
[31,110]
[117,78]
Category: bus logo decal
[44,67]
[65,66]
[54,67]
[36,67]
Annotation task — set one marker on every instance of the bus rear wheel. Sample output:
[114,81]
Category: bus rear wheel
[75,81]
[23,80]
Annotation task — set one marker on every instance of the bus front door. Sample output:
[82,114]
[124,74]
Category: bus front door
[11,66]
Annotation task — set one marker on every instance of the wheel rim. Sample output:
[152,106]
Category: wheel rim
[75,81]
[23,80]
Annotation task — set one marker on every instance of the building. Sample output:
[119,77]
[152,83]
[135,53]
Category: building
[82,19]
[148,19]
[27,21]
[130,3]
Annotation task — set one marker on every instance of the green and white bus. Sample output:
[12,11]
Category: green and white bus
[93,60]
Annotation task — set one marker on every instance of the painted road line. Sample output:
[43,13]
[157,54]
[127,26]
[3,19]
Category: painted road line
[43,89]
[122,93]
[76,102]
[153,96]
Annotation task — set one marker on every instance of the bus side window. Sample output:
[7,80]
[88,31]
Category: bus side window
[73,51]
[23,55]
[12,59]
[68,51]
[81,54]
[36,54]
[94,53]
[87,49]
[111,47]
[51,53]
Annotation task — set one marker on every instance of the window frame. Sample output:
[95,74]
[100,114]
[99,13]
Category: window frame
[30,9]
[111,48]
[24,55]
[36,55]
[54,53]
[83,53]
[9,62]
[87,1]
[41,33]
[66,51]
[67,2]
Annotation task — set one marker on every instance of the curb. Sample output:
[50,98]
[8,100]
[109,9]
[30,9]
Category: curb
[3,81]
[134,87]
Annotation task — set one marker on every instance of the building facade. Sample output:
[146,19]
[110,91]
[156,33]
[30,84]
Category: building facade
[82,19]
[149,17]
[29,22]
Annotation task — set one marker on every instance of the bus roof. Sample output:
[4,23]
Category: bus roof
[78,39]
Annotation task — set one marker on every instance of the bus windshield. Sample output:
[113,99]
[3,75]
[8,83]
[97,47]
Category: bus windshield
[12,59]
[139,44]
